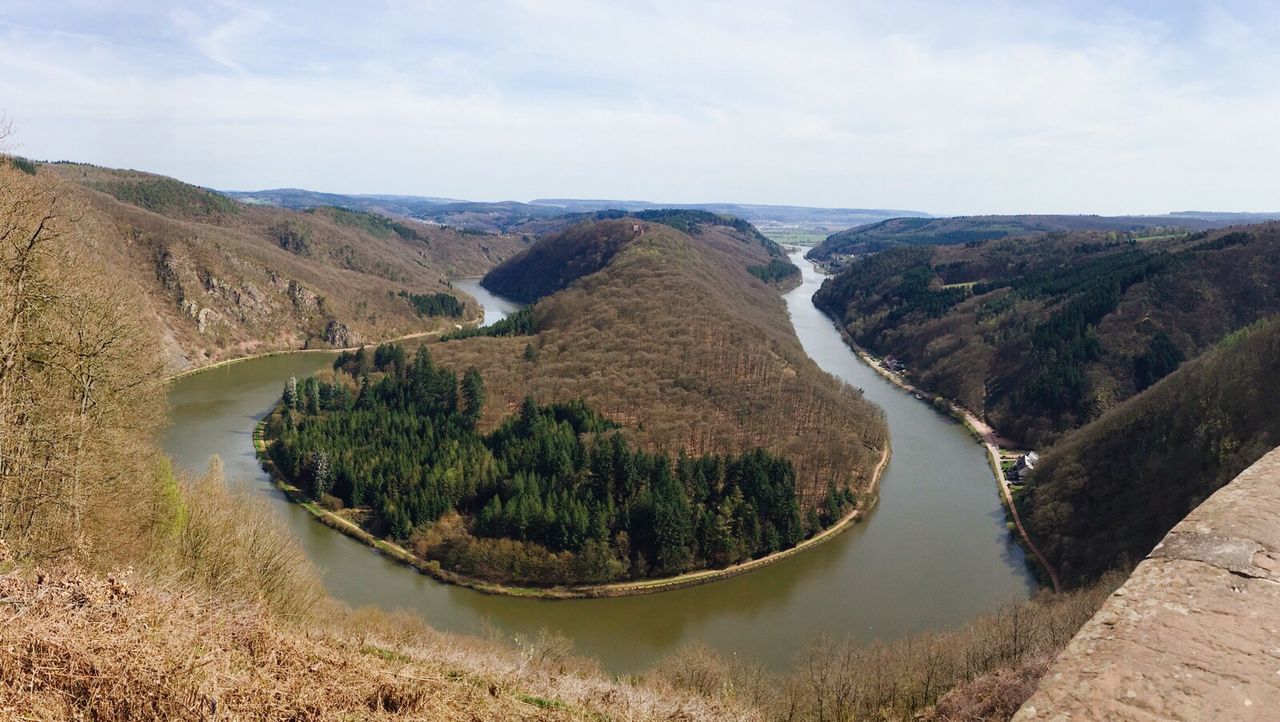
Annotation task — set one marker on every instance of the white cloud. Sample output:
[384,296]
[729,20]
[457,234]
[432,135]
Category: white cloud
[1000,109]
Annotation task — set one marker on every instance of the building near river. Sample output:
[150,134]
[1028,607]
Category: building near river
[1023,467]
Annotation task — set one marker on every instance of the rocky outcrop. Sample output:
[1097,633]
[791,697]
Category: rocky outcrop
[1195,632]
[338,335]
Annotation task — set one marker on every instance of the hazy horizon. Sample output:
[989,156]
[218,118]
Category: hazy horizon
[1106,108]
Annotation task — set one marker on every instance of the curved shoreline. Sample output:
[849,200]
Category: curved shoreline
[284,351]
[974,425]
[431,568]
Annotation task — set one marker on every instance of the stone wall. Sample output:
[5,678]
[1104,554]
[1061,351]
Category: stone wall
[1195,632]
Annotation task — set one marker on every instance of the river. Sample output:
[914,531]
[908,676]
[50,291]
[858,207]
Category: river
[933,553]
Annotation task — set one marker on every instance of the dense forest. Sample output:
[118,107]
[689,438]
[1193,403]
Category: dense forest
[579,501]
[895,232]
[1041,336]
[434,304]
[775,271]
[1104,495]
[519,323]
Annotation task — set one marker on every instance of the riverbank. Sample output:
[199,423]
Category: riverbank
[980,431]
[391,550]
[282,352]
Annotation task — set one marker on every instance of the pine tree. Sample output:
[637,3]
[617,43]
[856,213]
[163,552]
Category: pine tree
[472,396]
[290,397]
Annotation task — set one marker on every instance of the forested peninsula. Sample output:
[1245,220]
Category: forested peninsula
[576,485]
[553,496]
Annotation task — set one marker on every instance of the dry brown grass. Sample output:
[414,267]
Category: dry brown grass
[982,671]
[74,645]
[235,547]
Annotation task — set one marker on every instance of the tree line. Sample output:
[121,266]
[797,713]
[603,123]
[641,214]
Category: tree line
[434,304]
[774,270]
[520,323]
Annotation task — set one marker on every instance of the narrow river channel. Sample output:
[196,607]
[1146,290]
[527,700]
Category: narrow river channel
[933,553]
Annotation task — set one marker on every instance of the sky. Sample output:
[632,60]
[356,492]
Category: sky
[943,107]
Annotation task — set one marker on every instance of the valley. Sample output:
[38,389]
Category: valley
[937,473]
[618,362]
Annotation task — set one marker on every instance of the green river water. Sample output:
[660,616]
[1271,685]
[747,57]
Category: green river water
[931,555]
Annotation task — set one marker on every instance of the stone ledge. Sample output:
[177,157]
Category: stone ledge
[1195,632]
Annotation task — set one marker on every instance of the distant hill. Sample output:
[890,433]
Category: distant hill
[973,229]
[586,247]
[518,217]
[227,279]
[1042,335]
[1106,493]
[1226,217]
[558,260]
[836,217]
[299,199]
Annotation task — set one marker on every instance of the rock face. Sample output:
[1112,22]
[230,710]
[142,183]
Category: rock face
[1195,631]
[338,335]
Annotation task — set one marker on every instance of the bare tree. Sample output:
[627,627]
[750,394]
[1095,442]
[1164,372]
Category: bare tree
[79,380]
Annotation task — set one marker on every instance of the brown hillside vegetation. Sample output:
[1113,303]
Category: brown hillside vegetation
[83,646]
[1040,336]
[1107,493]
[225,279]
[558,260]
[677,341]
[982,671]
[223,617]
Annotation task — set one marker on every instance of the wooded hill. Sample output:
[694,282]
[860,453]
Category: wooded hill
[218,614]
[1108,492]
[557,495]
[1042,335]
[553,496]
[130,592]
[677,341]
[224,279]
[971,229]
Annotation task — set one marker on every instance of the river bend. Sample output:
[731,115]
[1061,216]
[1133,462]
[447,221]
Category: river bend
[933,553]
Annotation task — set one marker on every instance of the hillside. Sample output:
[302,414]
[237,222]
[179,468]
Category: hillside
[1105,494]
[131,593]
[608,436]
[974,229]
[586,247]
[677,340]
[1042,335]
[90,646]
[558,260]
[218,614]
[225,280]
